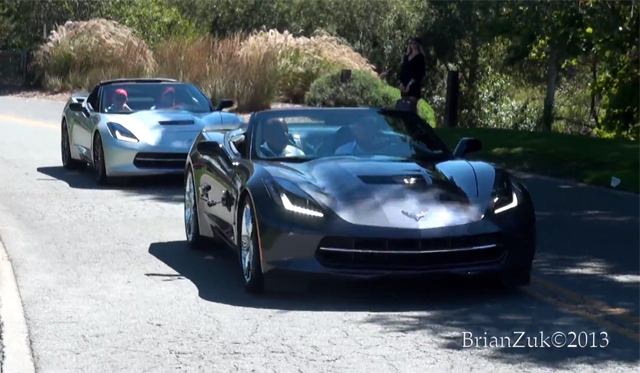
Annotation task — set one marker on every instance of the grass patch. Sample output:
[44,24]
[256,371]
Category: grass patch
[585,159]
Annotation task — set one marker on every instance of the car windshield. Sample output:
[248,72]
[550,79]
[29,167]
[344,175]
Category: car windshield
[133,97]
[300,135]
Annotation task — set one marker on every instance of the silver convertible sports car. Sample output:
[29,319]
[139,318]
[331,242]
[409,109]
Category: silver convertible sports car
[136,127]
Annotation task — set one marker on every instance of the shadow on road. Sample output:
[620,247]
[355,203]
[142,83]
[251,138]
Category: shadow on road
[161,188]
[588,240]
[443,308]
[217,275]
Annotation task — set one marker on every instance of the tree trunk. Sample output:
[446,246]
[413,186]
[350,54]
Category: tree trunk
[594,82]
[552,80]
[472,83]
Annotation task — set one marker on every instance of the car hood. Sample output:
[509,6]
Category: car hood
[166,128]
[387,192]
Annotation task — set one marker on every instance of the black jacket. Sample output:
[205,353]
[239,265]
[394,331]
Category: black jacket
[413,69]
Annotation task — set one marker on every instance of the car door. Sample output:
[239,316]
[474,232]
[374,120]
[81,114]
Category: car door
[219,188]
[233,174]
[85,124]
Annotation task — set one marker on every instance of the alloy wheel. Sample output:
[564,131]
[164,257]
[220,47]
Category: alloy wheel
[65,145]
[246,243]
[189,207]
[97,155]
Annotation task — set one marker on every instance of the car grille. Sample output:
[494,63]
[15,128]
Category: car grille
[160,160]
[410,254]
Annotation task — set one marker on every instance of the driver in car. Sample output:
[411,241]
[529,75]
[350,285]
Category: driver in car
[366,134]
[276,144]
[120,98]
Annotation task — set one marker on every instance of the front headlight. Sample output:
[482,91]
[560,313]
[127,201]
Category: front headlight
[291,201]
[504,197]
[119,132]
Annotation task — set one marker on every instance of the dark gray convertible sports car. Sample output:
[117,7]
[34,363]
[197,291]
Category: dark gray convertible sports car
[356,192]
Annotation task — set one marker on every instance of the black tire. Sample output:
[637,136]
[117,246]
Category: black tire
[253,278]
[191,228]
[65,150]
[99,168]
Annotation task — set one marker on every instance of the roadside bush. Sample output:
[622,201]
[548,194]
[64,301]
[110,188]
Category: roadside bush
[425,111]
[301,60]
[79,54]
[153,20]
[221,70]
[259,69]
[364,89]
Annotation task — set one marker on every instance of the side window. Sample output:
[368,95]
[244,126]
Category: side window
[93,99]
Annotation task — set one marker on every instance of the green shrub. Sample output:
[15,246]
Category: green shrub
[365,89]
[301,60]
[153,20]
[425,111]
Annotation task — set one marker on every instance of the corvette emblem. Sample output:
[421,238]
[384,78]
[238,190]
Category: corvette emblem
[415,217]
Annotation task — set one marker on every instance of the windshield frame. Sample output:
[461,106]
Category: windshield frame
[259,118]
[103,99]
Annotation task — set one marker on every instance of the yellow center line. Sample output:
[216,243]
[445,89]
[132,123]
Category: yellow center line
[584,313]
[579,298]
[29,122]
[583,306]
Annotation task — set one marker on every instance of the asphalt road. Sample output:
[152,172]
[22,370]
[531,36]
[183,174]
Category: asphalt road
[108,284]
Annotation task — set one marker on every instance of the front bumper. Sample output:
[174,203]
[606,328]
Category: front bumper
[123,159]
[347,250]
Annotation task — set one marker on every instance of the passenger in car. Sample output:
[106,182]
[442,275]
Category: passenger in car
[167,100]
[365,133]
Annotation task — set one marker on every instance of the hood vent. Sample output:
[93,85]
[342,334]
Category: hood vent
[408,180]
[176,122]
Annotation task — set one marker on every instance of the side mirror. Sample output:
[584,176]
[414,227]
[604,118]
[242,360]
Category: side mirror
[215,150]
[210,148]
[223,104]
[467,145]
[76,107]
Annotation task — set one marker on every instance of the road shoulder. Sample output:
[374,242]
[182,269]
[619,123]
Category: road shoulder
[15,336]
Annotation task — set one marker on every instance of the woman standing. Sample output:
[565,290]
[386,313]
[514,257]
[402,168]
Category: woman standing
[412,72]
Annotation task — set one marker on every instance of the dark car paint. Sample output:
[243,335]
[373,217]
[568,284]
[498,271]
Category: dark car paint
[289,242]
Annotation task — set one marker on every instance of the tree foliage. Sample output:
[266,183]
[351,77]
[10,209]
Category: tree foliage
[28,22]
[544,64]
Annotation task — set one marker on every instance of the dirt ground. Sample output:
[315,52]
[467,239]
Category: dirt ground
[34,93]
